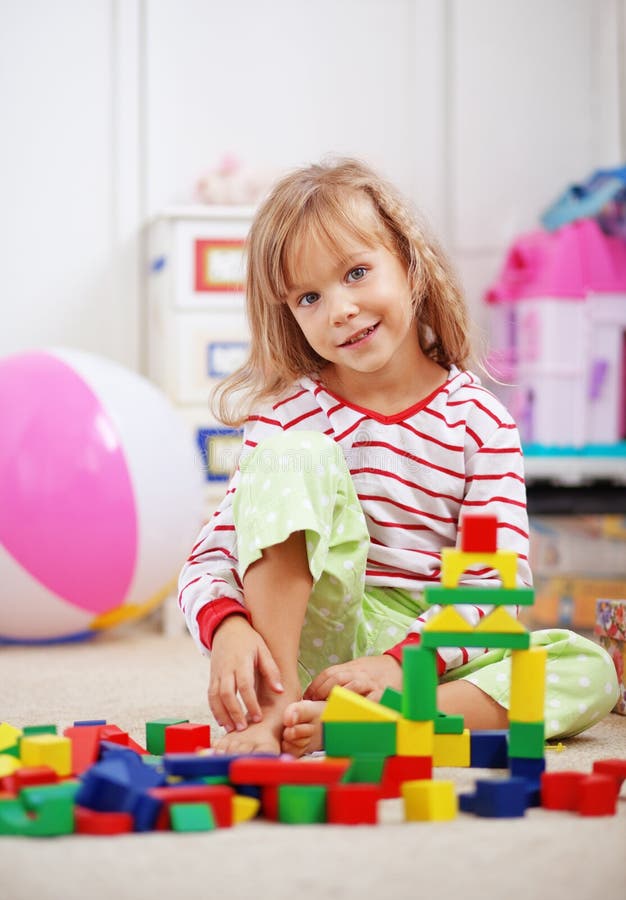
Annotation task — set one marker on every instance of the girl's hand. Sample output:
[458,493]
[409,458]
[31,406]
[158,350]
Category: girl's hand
[239,659]
[367,675]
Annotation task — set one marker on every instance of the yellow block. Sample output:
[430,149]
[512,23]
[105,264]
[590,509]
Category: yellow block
[500,621]
[415,738]
[8,765]
[244,808]
[528,685]
[8,735]
[47,750]
[452,749]
[346,706]
[454,562]
[429,801]
[449,619]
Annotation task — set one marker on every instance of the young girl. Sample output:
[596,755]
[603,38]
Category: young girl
[365,442]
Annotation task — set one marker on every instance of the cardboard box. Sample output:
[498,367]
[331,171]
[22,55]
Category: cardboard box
[610,630]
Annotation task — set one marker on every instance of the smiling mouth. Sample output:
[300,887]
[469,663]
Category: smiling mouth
[360,336]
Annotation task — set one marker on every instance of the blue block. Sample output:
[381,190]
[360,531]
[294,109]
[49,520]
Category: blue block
[467,802]
[505,798]
[91,722]
[145,811]
[489,749]
[191,765]
[523,767]
[106,788]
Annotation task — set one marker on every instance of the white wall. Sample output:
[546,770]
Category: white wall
[481,110]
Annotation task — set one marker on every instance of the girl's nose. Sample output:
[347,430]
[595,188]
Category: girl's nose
[342,307]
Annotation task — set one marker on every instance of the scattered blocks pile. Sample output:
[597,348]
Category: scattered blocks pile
[95,780]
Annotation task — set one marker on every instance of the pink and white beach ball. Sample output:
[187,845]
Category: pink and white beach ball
[100,495]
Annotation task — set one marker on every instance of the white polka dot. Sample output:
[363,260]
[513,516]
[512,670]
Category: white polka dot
[324,612]
[370,651]
[553,679]
[266,484]
[271,517]
[573,639]
[554,703]
[555,725]
[318,642]
[332,580]
[584,681]
[339,626]
[306,445]
[324,500]
[289,523]
[286,492]
[333,659]
[392,632]
[583,707]
[348,564]
[582,657]
[309,546]
[333,469]
[501,676]
[347,598]
[608,688]
[307,504]
[340,529]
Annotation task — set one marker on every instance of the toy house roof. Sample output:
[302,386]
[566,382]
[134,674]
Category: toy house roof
[570,263]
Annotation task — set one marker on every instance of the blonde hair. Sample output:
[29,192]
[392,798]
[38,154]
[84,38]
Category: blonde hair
[319,201]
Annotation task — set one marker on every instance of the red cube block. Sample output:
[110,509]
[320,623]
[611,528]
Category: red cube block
[91,821]
[399,769]
[597,795]
[559,790]
[479,534]
[614,767]
[353,804]
[187,737]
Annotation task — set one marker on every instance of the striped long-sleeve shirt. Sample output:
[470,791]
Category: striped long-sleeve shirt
[416,473]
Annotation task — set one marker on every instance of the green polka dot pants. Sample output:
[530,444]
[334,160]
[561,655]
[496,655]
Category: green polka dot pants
[299,481]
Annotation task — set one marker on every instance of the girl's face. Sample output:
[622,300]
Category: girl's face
[353,305]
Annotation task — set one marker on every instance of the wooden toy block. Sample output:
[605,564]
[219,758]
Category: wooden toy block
[244,808]
[8,765]
[47,750]
[302,804]
[81,722]
[218,797]
[29,730]
[269,802]
[9,736]
[282,770]
[454,563]
[34,775]
[367,768]
[448,724]
[449,619]
[498,798]
[392,699]
[187,737]
[528,685]
[415,738]
[479,533]
[353,804]
[526,739]
[501,622]
[85,746]
[437,594]
[44,816]
[191,817]
[199,765]
[89,821]
[399,769]
[525,767]
[597,795]
[429,801]
[451,749]
[344,705]
[155,734]
[435,639]
[489,749]
[115,734]
[419,683]
[559,790]
[354,738]
[614,767]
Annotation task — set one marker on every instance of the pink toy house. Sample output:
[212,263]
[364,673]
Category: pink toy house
[558,326]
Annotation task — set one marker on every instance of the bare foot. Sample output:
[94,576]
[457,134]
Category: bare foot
[302,731]
[258,737]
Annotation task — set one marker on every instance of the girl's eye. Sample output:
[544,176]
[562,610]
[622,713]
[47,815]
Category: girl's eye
[356,274]
[308,299]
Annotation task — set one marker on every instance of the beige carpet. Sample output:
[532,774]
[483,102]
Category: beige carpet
[133,675]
